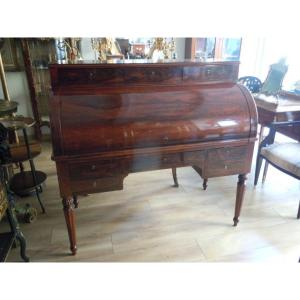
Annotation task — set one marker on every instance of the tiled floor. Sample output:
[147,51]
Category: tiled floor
[150,220]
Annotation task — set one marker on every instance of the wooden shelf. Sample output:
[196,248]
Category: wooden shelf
[22,183]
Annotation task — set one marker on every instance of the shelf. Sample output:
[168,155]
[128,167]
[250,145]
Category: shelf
[6,241]
[22,183]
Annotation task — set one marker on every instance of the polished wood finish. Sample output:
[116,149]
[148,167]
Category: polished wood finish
[239,197]
[112,119]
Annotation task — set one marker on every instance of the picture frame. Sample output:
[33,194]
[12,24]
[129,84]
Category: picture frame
[12,55]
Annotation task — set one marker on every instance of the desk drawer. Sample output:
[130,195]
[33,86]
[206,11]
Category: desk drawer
[194,158]
[155,162]
[210,73]
[97,185]
[105,168]
[119,76]
[227,161]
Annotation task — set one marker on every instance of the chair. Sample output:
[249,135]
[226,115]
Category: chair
[285,157]
[254,84]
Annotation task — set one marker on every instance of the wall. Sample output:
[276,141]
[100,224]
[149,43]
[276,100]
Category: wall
[18,91]
[180,47]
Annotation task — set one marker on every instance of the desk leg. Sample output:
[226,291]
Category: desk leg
[240,191]
[174,173]
[68,207]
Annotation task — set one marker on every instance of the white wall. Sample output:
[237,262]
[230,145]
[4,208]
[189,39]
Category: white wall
[180,47]
[257,54]
[87,53]
[18,91]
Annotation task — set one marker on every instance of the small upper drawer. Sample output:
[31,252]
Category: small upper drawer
[154,162]
[119,76]
[210,73]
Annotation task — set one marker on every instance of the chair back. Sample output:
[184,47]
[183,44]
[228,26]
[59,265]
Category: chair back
[252,83]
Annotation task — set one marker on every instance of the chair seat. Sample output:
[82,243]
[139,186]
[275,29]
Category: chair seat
[286,156]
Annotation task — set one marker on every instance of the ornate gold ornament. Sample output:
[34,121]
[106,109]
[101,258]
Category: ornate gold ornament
[107,48]
[164,46]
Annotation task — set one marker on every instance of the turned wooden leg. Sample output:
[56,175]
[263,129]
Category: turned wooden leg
[240,191]
[174,173]
[75,200]
[205,183]
[68,207]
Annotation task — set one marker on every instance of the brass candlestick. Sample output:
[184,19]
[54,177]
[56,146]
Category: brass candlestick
[161,44]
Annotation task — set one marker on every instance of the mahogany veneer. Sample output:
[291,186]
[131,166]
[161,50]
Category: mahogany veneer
[112,119]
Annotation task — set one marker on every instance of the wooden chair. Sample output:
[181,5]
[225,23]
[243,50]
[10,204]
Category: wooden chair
[285,156]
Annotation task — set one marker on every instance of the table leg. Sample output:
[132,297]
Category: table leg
[261,134]
[174,173]
[240,191]
[265,172]
[68,207]
[205,184]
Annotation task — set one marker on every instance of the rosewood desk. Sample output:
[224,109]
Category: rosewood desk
[111,119]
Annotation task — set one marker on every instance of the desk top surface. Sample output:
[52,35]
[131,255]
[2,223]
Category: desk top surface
[277,104]
[135,62]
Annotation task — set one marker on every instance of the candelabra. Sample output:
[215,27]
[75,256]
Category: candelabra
[164,46]
[107,48]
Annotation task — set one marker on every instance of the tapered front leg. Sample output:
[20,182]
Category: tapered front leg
[205,184]
[68,207]
[174,173]
[240,191]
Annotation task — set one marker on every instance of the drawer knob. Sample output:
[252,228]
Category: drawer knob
[225,167]
[92,75]
[93,167]
[94,184]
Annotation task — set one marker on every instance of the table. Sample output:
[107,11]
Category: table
[284,107]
